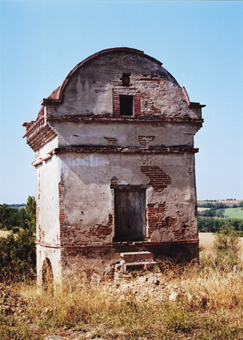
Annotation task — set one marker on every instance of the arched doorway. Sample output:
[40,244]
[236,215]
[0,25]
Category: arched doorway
[47,275]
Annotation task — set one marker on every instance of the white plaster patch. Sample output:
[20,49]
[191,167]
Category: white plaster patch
[90,160]
[123,182]
[187,195]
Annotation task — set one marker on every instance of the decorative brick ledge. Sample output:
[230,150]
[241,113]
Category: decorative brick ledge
[137,119]
[116,244]
[127,150]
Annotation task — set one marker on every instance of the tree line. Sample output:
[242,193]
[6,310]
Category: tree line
[213,225]
[14,219]
[218,205]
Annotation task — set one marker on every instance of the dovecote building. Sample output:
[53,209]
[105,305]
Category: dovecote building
[115,167]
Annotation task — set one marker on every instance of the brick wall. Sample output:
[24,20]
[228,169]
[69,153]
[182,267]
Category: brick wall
[63,230]
[145,140]
[158,178]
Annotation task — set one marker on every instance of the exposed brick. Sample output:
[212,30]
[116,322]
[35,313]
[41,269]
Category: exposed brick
[158,178]
[42,135]
[156,218]
[111,140]
[145,140]
[114,180]
[116,104]
[61,203]
[137,105]
[102,230]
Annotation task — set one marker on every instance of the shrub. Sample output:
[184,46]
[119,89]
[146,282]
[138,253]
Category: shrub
[226,246]
[17,256]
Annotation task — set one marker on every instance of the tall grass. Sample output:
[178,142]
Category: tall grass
[192,302]
[208,306]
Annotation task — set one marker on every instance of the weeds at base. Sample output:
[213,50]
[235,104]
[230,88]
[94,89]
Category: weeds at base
[97,312]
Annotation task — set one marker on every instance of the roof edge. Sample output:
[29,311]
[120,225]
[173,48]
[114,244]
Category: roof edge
[194,105]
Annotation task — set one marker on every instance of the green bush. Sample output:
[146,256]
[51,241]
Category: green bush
[17,256]
[15,230]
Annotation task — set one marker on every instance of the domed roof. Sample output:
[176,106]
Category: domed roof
[57,95]
[92,82]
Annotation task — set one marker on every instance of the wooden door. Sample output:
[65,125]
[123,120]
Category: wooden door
[129,215]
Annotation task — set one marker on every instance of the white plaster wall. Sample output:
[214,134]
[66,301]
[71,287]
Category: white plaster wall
[88,196]
[126,134]
[48,177]
[44,151]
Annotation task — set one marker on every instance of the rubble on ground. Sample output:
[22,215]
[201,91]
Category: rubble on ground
[153,287]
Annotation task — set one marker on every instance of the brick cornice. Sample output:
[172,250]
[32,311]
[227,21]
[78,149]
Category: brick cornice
[116,244]
[130,119]
[126,150]
[40,137]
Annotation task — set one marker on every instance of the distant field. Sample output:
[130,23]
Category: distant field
[233,213]
[4,233]
[206,240]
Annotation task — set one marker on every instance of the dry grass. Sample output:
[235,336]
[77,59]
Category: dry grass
[192,302]
[182,303]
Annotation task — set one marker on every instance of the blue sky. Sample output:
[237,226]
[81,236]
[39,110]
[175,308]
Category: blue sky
[200,43]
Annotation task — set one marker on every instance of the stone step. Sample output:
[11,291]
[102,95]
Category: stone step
[137,256]
[128,267]
[136,266]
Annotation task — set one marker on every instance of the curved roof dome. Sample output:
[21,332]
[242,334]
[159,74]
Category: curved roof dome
[57,95]
[95,87]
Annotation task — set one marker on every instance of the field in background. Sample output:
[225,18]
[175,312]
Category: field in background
[4,233]
[206,240]
[233,213]
[228,212]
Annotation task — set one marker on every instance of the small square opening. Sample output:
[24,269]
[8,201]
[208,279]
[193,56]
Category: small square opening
[125,79]
[126,105]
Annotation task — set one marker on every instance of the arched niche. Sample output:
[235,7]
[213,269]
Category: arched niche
[47,275]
